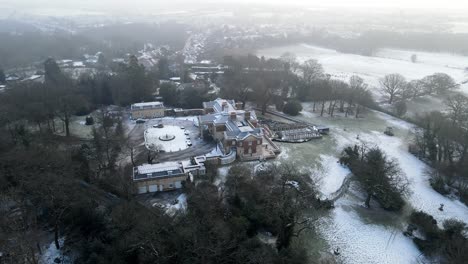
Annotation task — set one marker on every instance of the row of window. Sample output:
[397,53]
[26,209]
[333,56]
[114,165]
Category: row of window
[250,143]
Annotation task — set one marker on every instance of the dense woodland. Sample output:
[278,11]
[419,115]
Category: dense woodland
[442,141]
[78,191]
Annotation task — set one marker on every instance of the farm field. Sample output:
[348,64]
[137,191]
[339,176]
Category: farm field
[385,61]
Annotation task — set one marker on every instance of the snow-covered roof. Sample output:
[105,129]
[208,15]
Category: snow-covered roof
[64,61]
[158,170]
[78,64]
[12,78]
[147,105]
[236,121]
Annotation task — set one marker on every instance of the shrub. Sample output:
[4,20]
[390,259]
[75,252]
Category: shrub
[89,121]
[427,225]
[438,184]
[426,222]
[400,108]
[292,108]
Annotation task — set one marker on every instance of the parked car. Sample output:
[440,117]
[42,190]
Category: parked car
[140,121]
[182,127]
[158,126]
[187,133]
[189,143]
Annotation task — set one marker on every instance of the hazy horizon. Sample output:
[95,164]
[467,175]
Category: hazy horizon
[142,6]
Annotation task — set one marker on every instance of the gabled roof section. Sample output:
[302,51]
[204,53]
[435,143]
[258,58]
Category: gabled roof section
[238,122]
[221,105]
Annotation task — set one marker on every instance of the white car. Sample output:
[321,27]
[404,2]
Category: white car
[189,143]
[182,127]
[187,133]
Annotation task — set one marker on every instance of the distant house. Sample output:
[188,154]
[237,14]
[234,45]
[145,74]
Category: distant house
[174,79]
[147,110]
[166,176]
[78,64]
[35,78]
[65,63]
[236,130]
[11,78]
[206,69]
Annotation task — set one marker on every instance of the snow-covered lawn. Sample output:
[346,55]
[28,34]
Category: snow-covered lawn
[423,197]
[368,235]
[386,61]
[362,241]
[152,138]
[331,175]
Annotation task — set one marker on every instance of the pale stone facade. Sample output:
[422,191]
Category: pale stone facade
[149,178]
[147,110]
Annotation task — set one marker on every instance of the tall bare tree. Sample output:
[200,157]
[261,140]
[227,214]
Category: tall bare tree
[439,83]
[311,70]
[393,85]
[458,108]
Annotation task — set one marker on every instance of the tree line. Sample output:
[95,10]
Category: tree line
[46,185]
[279,81]
[397,88]
[442,141]
[60,96]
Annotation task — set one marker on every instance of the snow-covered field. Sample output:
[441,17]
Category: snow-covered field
[385,61]
[152,138]
[368,235]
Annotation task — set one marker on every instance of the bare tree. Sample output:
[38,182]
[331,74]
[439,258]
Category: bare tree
[312,70]
[153,153]
[356,85]
[291,60]
[393,85]
[413,89]
[458,108]
[439,83]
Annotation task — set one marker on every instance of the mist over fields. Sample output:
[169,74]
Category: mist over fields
[233,131]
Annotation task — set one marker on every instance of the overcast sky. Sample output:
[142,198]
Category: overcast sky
[402,4]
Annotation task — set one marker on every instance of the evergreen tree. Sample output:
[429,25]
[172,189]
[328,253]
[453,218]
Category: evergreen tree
[380,177]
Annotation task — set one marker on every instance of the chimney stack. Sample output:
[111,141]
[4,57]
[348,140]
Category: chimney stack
[223,105]
[247,115]
[233,115]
